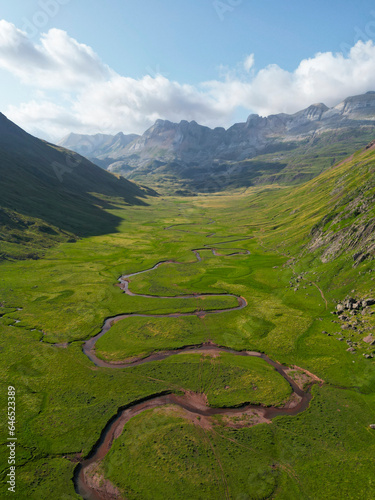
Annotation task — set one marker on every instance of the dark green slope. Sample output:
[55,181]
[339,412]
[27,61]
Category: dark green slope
[48,191]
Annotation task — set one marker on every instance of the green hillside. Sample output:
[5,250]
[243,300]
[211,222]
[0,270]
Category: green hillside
[328,217]
[50,194]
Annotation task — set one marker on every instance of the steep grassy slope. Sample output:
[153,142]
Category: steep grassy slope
[46,191]
[328,217]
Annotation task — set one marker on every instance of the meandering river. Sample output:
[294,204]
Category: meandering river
[190,403]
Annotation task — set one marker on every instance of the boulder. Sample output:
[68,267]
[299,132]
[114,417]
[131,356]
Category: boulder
[372,426]
[368,302]
[340,308]
[369,339]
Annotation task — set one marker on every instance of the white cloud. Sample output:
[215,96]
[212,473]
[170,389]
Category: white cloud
[82,94]
[58,62]
[46,119]
[249,62]
[327,78]
[141,102]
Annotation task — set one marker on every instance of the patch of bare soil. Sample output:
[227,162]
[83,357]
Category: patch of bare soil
[101,487]
[198,401]
[245,418]
[302,377]
[293,401]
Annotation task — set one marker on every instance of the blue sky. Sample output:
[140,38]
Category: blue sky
[161,54]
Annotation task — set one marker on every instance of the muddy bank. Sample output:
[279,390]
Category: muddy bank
[193,405]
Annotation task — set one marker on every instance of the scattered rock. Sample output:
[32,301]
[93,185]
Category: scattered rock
[343,317]
[369,339]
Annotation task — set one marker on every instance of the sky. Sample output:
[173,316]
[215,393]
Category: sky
[89,66]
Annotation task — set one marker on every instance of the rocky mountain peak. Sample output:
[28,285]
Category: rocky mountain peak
[313,113]
[254,120]
[363,104]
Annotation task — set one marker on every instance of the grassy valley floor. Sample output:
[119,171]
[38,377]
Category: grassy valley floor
[251,246]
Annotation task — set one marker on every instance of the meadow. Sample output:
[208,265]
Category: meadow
[50,306]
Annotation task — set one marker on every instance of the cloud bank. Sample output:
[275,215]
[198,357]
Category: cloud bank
[82,94]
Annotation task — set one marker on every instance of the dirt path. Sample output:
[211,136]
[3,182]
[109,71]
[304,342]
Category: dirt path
[321,293]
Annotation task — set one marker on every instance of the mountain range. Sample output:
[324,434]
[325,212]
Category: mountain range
[279,148]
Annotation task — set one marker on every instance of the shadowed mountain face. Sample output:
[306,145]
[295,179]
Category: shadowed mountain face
[42,183]
[280,148]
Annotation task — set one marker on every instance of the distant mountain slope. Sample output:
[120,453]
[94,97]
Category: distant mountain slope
[84,144]
[93,146]
[280,148]
[47,190]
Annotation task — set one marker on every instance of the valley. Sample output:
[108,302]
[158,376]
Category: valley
[187,248]
[148,327]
